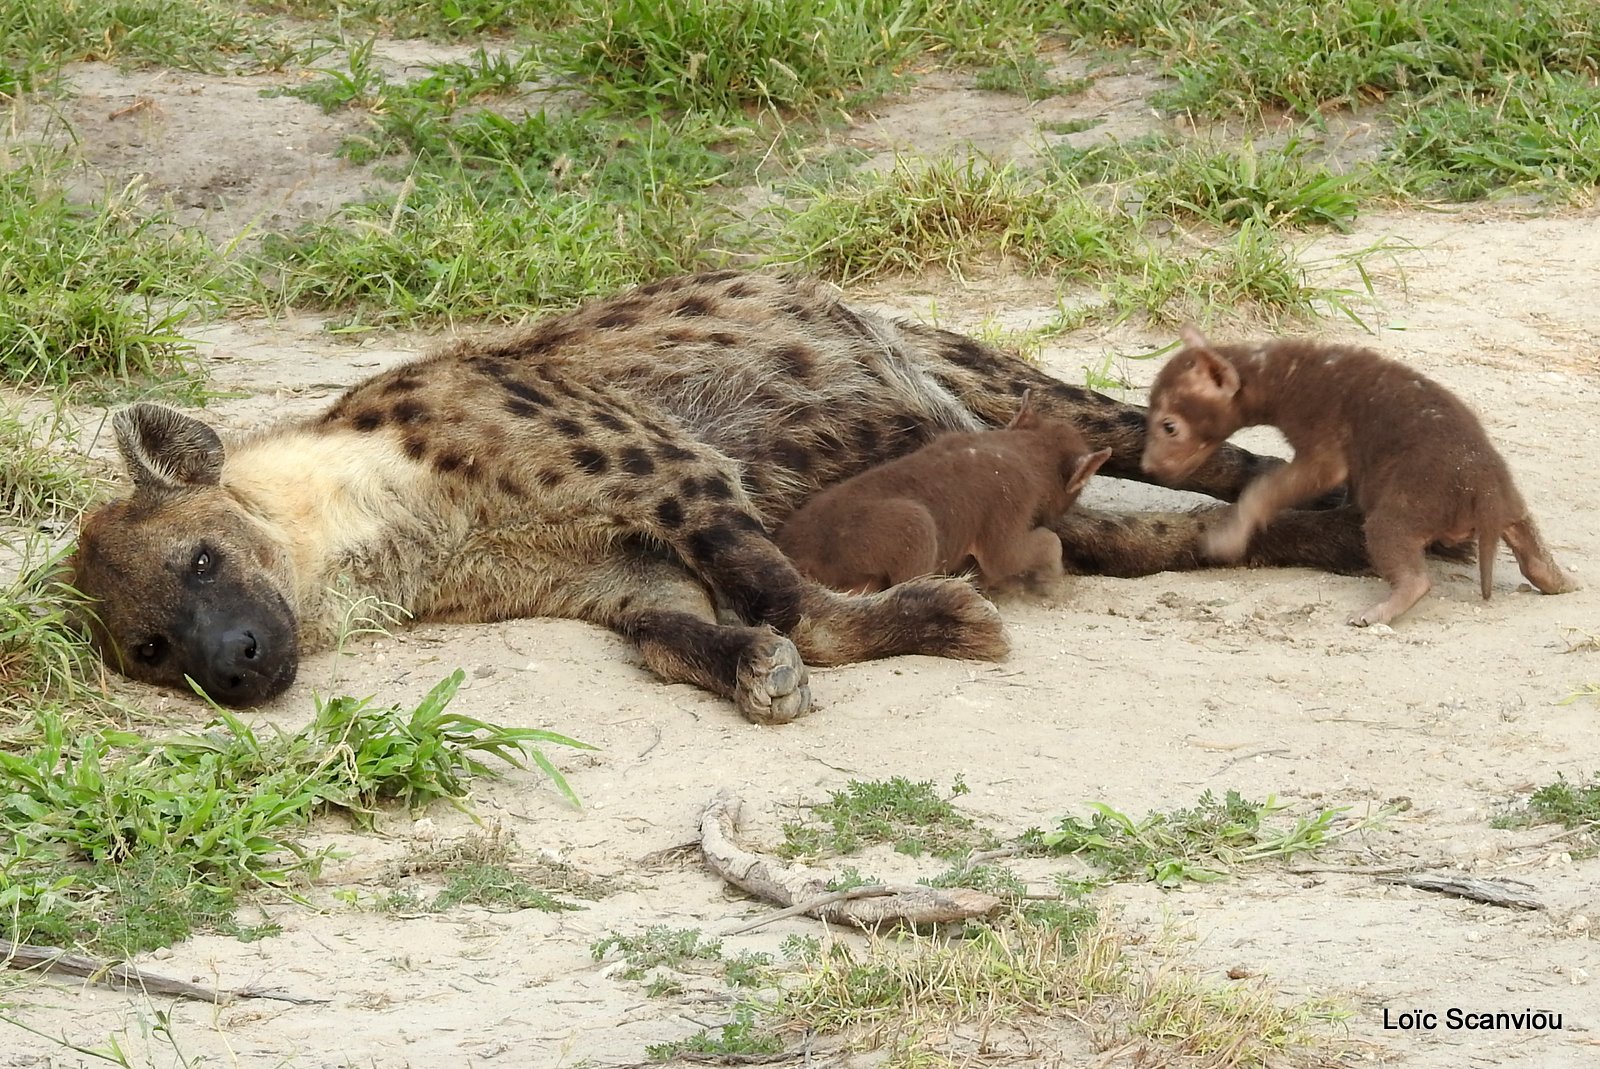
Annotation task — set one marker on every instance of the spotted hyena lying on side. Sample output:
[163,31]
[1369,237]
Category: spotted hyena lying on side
[622,464]
[1418,462]
[984,495]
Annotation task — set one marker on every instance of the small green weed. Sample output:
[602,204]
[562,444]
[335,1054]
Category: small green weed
[657,947]
[1199,844]
[36,481]
[741,1036]
[43,656]
[910,815]
[1025,74]
[1572,805]
[498,888]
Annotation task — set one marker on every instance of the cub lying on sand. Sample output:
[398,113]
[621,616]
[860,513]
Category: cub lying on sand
[1417,461]
[985,495]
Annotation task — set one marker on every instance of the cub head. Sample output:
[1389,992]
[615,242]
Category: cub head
[179,580]
[1193,409]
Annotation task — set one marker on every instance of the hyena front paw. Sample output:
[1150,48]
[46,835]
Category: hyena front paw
[771,688]
[1226,540]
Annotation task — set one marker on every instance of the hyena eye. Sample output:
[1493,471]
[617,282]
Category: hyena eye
[151,650]
[1169,428]
[202,562]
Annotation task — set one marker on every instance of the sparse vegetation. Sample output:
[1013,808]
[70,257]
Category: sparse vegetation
[213,813]
[1202,843]
[910,815]
[1566,802]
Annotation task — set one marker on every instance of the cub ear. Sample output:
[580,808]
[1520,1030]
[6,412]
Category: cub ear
[1192,338]
[165,449]
[1085,467]
[1215,376]
[1026,415]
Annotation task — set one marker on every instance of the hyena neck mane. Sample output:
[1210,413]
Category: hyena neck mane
[342,510]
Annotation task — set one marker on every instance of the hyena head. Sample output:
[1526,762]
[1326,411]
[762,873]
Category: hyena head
[1193,409]
[180,580]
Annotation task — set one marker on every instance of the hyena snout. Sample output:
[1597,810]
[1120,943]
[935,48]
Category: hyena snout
[243,662]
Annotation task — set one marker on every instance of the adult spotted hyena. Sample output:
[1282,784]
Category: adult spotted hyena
[622,464]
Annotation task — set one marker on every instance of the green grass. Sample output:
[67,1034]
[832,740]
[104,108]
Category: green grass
[44,658]
[37,482]
[38,36]
[1539,134]
[450,20]
[741,1036]
[216,812]
[1306,56]
[1202,843]
[97,291]
[726,55]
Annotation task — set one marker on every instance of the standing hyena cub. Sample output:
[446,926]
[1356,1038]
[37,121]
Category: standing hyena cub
[1417,461]
[985,495]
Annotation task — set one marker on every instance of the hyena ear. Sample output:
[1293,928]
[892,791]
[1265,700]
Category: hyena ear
[1192,338]
[165,449]
[1026,415]
[1084,468]
[1217,378]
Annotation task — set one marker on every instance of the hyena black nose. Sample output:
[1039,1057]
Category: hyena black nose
[239,645]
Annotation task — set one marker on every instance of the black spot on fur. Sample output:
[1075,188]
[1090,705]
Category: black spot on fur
[724,339]
[1132,418]
[550,478]
[787,453]
[739,290]
[525,392]
[796,361]
[746,522]
[615,320]
[720,276]
[415,446]
[693,308]
[510,487]
[708,543]
[906,431]
[569,427]
[402,384]
[636,461]
[866,439]
[607,420]
[445,463]
[716,488]
[410,412]
[670,513]
[669,452]
[518,407]
[590,460]
[799,311]
[970,353]
[1160,528]
[368,419]
[546,340]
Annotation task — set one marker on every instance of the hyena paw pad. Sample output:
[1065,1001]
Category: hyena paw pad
[772,687]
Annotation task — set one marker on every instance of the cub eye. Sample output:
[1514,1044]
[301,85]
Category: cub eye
[1169,428]
[152,650]
[202,562]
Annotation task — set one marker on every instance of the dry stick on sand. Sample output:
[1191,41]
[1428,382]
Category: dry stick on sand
[1495,894]
[805,890]
[122,976]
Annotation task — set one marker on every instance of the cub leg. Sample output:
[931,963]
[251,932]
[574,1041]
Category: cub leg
[1400,557]
[1018,552]
[1299,480]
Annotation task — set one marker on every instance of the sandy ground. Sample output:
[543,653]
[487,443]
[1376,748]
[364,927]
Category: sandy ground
[1141,693]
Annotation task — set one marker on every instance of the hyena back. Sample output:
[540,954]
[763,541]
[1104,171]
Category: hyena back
[621,464]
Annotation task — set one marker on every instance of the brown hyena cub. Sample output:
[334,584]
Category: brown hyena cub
[1417,461]
[984,495]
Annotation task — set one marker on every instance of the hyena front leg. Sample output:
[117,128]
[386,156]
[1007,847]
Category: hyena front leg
[712,525]
[663,609]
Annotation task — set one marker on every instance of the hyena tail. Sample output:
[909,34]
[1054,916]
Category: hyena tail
[1488,545]
[942,617]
